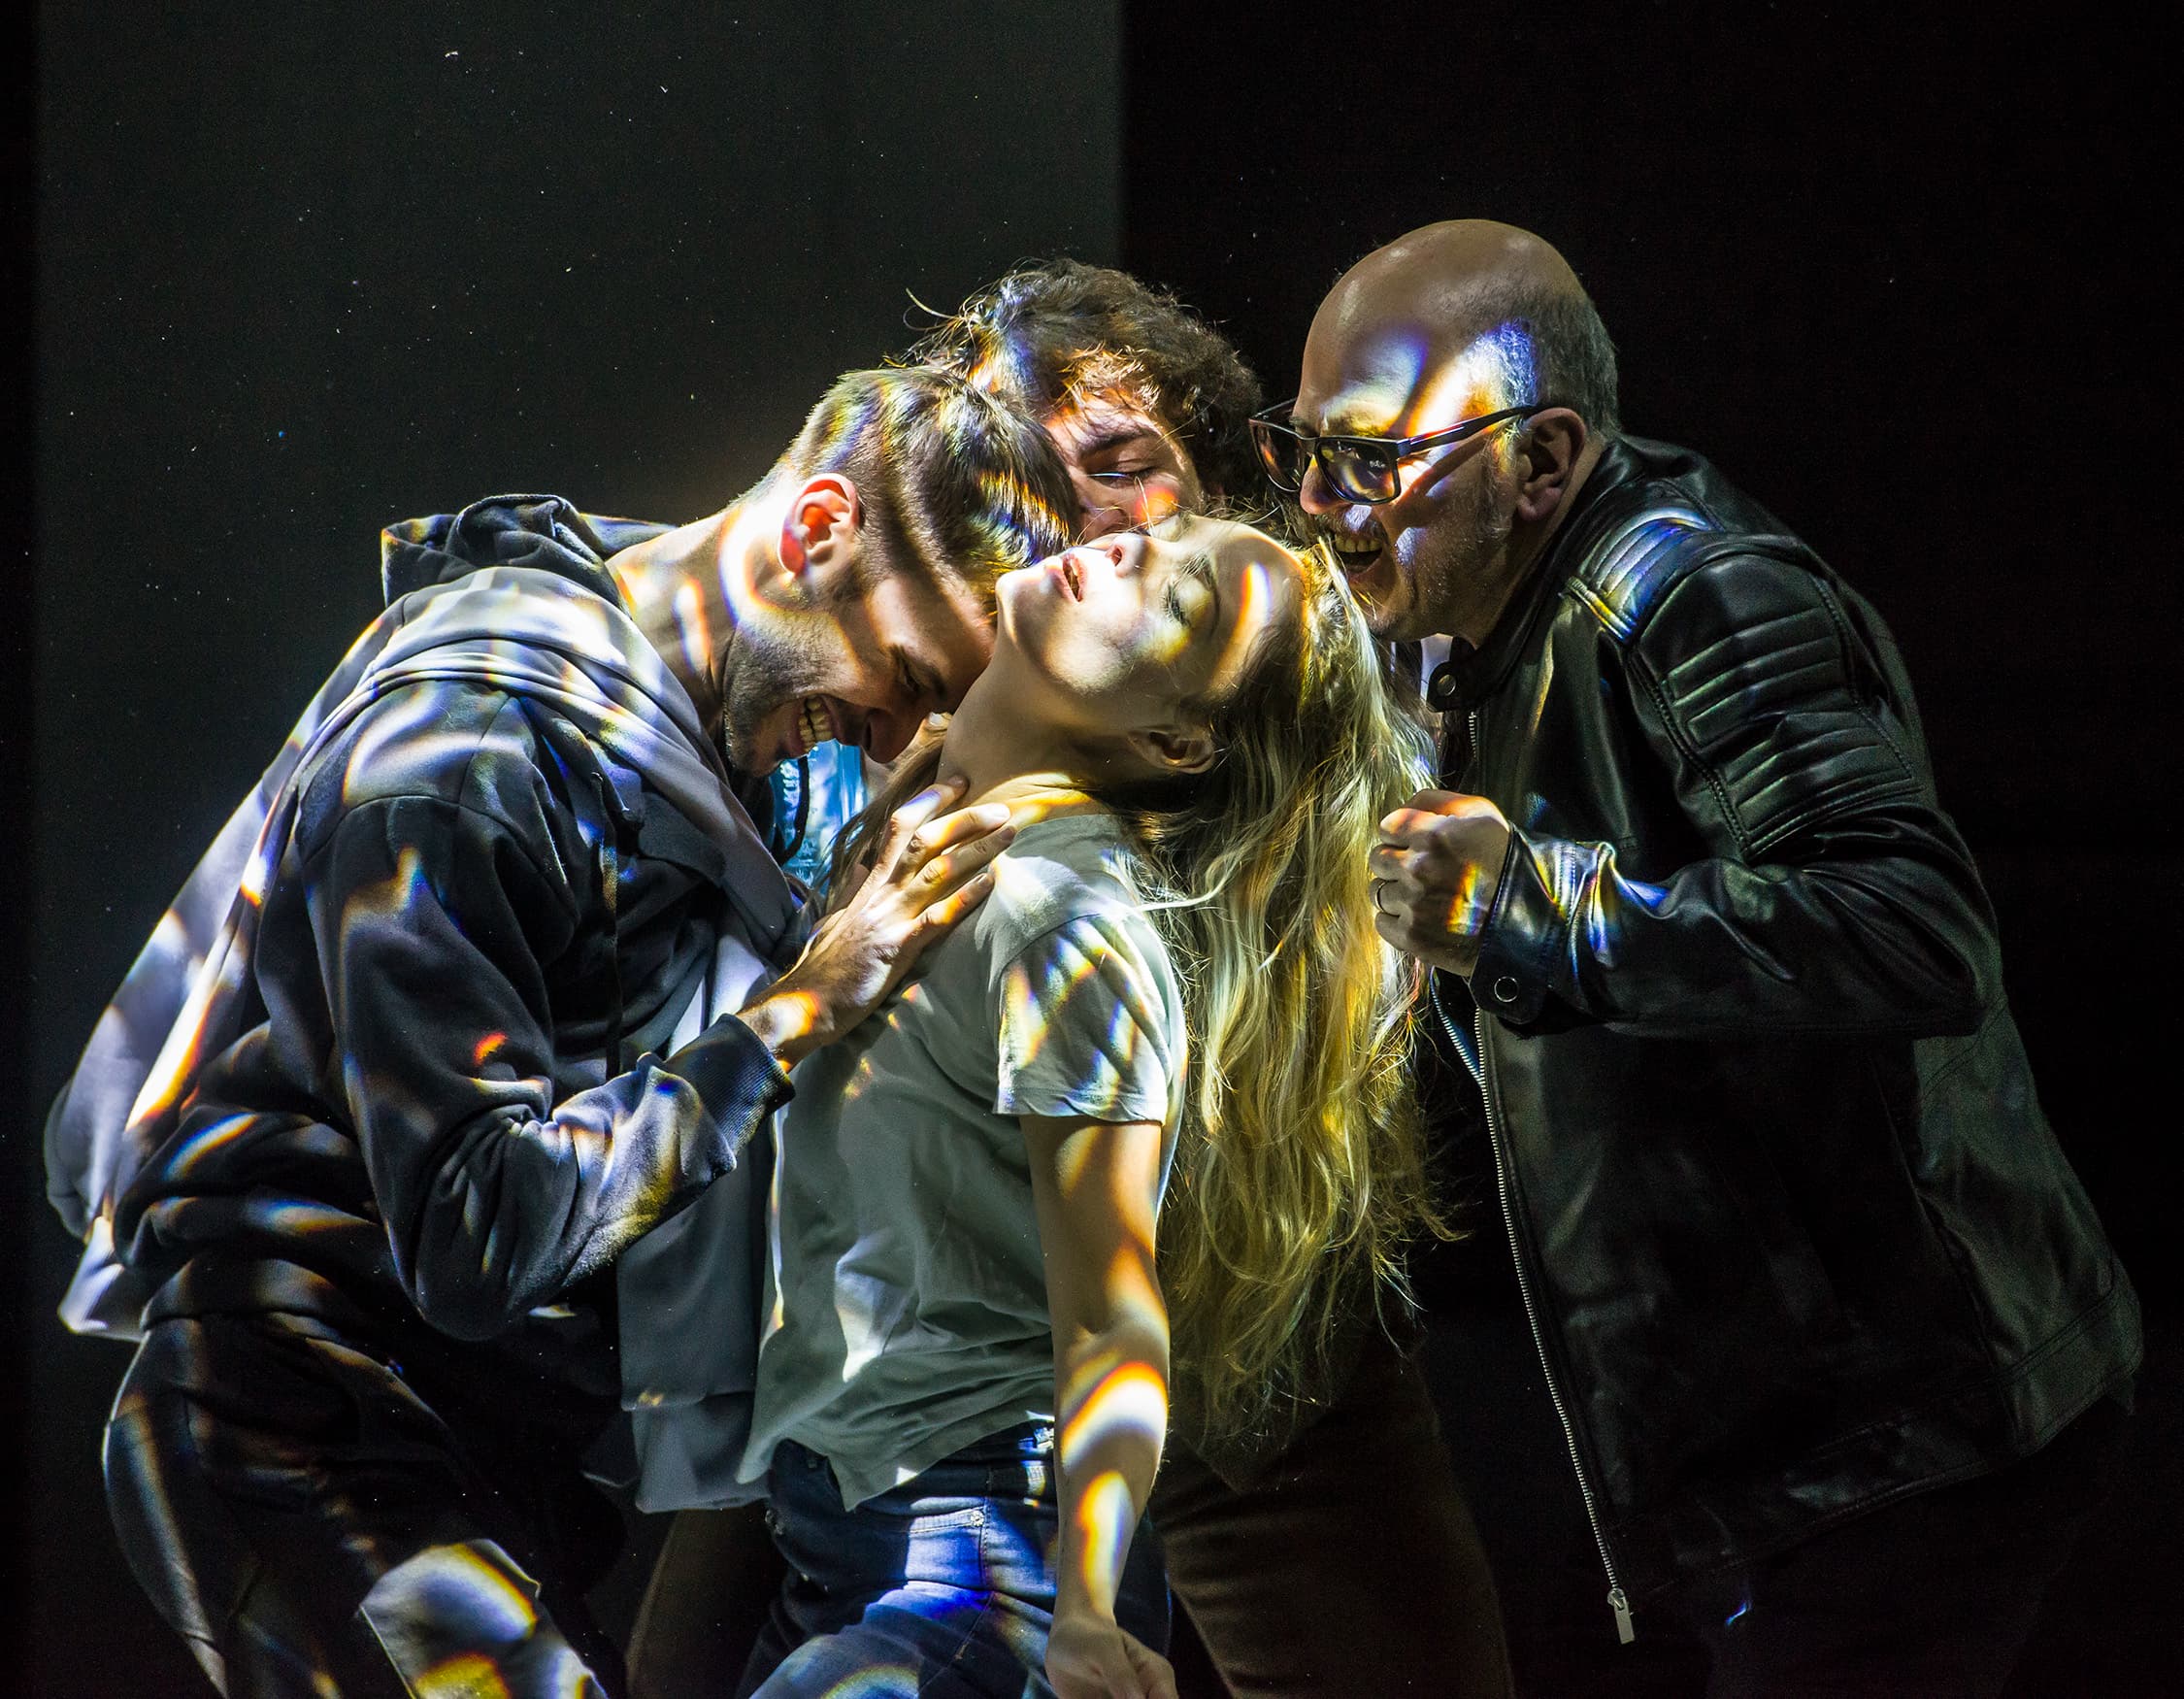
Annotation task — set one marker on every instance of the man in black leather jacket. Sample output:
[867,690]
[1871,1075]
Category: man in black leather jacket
[1822,1311]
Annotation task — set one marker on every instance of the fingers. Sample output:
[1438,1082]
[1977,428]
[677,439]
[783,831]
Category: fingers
[942,871]
[1409,826]
[904,822]
[939,919]
[1423,812]
[1388,861]
[1156,1676]
[959,826]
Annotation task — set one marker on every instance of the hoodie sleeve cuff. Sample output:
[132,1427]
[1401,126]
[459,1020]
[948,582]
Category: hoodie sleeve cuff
[737,1078]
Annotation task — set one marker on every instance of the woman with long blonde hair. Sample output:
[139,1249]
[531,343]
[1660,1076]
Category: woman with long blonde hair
[1172,1004]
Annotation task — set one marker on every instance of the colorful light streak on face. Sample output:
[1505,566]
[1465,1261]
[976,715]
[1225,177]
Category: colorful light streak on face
[1122,639]
[1496,369]
[1264,589]
[1416,561]
[852,612]
[1126,465]
[863,669]
[1395,382]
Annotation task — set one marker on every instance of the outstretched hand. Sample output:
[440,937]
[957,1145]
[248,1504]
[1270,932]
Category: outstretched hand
[1435,874]
[1091,1657]
[930,871]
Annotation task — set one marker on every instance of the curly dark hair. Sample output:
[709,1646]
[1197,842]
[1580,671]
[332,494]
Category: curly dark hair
[1057,327]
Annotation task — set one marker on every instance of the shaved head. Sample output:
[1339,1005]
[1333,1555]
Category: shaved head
[1410,312]
[1446,278]
[1455,321]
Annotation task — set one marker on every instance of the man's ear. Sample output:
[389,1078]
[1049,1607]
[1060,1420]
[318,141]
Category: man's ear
[819,531]
[1174,748]
[1554,440]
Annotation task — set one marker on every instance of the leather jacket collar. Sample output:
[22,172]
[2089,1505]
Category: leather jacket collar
[1471,675]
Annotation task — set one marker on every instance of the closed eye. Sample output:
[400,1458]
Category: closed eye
[919,692]
[1198,569]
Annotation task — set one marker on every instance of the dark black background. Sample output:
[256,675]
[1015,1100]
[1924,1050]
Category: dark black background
[301,272]
[1910,283]
[304,270]
[1908,277]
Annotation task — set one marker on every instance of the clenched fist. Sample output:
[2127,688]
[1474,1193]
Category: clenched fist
[1435,872]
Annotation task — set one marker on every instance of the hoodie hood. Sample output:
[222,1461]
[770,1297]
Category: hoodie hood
[542,533]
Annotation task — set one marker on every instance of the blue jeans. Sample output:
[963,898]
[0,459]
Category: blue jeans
[943,1585]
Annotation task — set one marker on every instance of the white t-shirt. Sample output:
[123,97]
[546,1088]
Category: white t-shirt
[906,1298]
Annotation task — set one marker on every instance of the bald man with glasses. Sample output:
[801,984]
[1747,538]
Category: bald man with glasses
[1797,1334]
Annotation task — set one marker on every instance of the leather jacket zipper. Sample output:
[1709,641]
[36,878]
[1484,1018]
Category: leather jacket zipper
[1617,1600]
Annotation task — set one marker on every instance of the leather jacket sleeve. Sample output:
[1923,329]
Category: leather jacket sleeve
[1837,898]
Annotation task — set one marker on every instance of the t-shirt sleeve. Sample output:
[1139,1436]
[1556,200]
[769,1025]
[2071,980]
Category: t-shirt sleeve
[1088,1024]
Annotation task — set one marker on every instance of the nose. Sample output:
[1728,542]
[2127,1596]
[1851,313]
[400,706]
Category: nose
[1100,521]
[883,735]
[1120,551]
[1313,495]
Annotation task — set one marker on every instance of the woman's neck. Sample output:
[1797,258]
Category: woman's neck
[1006,757]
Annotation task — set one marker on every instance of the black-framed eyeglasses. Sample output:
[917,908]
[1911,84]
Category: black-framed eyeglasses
[1357,469]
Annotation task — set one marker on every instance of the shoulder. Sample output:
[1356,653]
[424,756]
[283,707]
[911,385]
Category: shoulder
[1066,923]
[1087,1007]
[1674,531]
[1070,875]
[473,749]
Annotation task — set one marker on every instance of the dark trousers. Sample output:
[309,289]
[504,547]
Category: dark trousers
[1352,1568]
[1933,1595]
[941,1586]
[305,1516]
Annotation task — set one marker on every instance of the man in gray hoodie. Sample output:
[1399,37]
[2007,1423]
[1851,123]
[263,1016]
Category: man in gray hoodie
[474,991]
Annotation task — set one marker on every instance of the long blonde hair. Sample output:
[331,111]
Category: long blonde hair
[1299,1170]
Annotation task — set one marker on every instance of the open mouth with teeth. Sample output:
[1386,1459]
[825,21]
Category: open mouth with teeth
[1072,575]
[814,723]
[1355,553]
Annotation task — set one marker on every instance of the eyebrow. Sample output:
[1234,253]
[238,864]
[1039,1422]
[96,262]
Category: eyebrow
[1350,421]
[1115,436]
